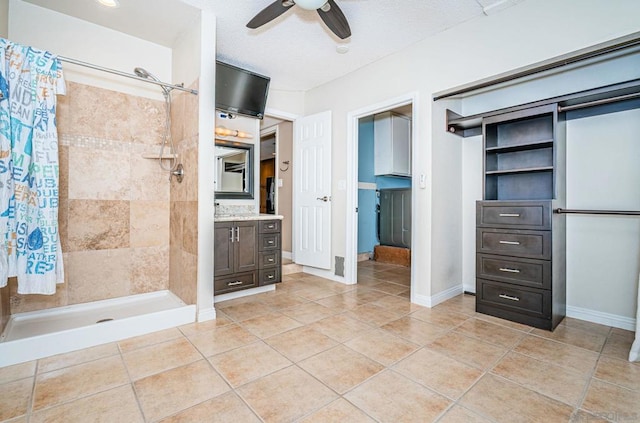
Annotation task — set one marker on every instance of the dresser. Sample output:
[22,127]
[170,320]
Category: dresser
[520,241]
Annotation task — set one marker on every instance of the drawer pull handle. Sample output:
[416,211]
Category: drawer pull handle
[509,214]
[510,242]
[270,242]
[509,297]
[270,226]
[270,277]
[236,283]
[506,269]
[270,260]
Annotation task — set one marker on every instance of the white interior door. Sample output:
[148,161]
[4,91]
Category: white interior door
[312,190]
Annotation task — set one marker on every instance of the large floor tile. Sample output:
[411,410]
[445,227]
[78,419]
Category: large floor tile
[17,371]
[504,401]
[270,324]
[459,414]
[286,395]
[468,350]
[341,302]
[170,392]
[308,313]
[224,408]
[77,357]
[15,398]
[448,319]
[397,304]
[569,335]
[341,327]
[612,401]
[618,346]
[160,357]
[115,405]
[246,310]
[248,363]
[206,326]
[69,383]
[373,314]
[558,353]
[620,372]
[442,374]
[586,326]
[300,343]
[134,343]
[490,332]
[557,382]
[221,339]
[341,368]
[339,411]
[390,397]
[382,346]
[415,330]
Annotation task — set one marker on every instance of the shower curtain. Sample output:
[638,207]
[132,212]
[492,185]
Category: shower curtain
[29,241]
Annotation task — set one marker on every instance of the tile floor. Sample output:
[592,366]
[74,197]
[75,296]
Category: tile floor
[319,351]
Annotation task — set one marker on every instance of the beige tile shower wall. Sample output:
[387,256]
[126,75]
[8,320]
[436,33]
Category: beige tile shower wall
[184,199]
[114,204]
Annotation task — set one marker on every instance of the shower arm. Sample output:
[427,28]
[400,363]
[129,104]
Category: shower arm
[179,87]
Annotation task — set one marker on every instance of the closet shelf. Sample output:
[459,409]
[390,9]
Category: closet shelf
[156,157]
[520,147]
[522,170]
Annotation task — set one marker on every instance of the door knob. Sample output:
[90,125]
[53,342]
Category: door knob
[325,198]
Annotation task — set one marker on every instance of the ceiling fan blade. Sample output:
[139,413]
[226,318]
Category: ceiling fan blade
[269,13]
[335,20]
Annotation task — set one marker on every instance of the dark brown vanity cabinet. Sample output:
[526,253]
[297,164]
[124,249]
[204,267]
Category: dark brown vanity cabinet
[247,255]
[520,242]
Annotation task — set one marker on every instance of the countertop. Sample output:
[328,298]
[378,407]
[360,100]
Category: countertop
[252,216]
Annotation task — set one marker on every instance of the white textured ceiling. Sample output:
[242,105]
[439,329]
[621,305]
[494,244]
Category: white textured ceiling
[296,50]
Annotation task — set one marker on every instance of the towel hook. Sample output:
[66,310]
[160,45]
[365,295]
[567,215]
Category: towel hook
[284,162]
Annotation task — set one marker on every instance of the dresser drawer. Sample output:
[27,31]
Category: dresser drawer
[269,242]
[515,215]
[235,283]
[269,259]
[269,276]
[269,226]
[530,301]
[521,271]
[529,244]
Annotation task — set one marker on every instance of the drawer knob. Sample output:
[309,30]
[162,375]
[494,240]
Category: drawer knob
[270,260]
[270,226]
[509,297]
[236,283]
[506,269]
[509,242]
[270,242]
[509,214]
[270,277]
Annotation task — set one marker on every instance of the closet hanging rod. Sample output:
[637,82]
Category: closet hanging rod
[609,212]
[127,75]
[598,102]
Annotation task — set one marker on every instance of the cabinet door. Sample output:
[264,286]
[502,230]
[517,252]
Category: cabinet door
[392,144]
[246,246]
[224,248]
[401,145]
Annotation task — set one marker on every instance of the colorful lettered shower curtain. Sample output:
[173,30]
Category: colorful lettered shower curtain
[29,241]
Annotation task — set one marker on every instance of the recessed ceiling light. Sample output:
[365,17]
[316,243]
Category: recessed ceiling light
[342,49]
[110,3]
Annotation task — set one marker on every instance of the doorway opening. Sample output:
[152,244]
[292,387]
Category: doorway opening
[381,191]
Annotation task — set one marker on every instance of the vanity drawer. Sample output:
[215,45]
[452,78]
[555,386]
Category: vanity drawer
[269,226]
[515,215]
[269,259]
[529,244]
[269,242]
[530,301]
[269,276]
[521,271]
[234,283]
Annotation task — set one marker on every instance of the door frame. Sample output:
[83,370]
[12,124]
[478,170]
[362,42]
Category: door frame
[351,259]
[272,130]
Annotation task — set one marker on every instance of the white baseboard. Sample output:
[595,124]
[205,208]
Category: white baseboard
[244,293]
[208,314]
[287,255]
[602,318]
[469,288]
[434,300]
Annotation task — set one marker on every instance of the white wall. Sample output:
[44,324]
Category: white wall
[4,18]
[477,49]
[77,39]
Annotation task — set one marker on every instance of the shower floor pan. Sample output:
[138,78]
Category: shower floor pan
[37,334]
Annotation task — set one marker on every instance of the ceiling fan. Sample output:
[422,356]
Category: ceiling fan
[328,10]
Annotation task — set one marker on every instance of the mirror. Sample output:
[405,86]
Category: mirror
[234,170]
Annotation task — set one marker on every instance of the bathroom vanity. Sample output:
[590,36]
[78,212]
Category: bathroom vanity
[248,252]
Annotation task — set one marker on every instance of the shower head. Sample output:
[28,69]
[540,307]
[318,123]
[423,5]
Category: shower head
[143,73]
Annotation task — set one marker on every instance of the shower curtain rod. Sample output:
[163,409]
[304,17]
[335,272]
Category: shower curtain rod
[127,75]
